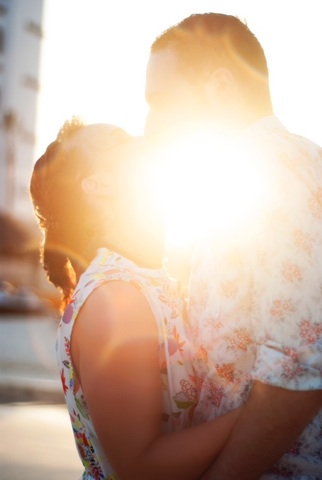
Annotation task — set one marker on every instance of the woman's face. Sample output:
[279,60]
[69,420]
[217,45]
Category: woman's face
[122,190]
[139,200]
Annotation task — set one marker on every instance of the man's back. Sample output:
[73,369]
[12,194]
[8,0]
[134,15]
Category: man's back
[255,296]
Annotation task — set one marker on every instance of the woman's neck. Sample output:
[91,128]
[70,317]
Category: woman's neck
[141,253]
[153,261]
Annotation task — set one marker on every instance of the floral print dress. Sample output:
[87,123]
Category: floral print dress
[179,392]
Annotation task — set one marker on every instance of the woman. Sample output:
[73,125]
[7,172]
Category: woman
[124,362]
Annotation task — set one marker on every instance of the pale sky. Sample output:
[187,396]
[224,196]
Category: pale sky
[95,53]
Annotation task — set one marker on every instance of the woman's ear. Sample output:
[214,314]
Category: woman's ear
[96,186]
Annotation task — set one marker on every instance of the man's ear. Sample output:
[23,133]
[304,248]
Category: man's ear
[94,186]
[220,86]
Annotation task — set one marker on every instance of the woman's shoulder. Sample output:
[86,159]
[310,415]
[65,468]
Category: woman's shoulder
[116,306]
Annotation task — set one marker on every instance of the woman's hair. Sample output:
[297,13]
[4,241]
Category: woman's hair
[71,230]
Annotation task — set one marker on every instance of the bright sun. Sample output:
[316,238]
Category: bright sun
[208,187]
[203,184]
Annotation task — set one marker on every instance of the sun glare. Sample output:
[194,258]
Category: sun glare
[208,187]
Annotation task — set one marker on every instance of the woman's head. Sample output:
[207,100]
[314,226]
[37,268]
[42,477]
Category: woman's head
[76,187]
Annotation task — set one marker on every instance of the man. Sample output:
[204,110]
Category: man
[255,297]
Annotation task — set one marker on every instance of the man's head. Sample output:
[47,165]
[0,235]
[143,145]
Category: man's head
[207,67]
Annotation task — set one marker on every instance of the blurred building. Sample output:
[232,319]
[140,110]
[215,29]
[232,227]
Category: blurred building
[21,36]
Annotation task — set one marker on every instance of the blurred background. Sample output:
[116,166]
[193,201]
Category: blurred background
[59,58]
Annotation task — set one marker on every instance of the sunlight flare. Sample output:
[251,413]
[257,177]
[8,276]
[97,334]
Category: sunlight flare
[209,186]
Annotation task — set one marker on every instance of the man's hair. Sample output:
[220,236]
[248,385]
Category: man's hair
[203,42]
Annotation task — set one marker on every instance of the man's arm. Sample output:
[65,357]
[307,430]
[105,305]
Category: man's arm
[271,421]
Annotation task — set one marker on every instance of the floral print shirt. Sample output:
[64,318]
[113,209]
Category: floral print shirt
[255,305]
[179,392]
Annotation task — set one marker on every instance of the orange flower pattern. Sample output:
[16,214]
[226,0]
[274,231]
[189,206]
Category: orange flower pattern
[261,317]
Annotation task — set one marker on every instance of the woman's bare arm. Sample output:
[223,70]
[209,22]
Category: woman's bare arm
[115,350]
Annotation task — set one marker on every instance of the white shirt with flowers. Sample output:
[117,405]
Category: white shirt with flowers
[255,304]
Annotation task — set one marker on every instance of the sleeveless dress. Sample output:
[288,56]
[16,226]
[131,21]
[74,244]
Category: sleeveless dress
[178,380]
